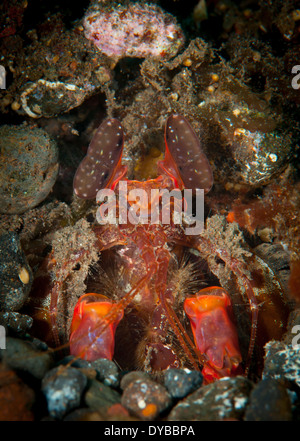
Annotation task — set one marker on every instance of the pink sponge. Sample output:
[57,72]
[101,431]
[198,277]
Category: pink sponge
[134,30]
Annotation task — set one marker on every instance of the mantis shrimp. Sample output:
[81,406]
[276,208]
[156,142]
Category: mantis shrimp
[151,318]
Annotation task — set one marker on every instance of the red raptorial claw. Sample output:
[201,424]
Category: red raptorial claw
[92,335]
[214,333]
[185,162]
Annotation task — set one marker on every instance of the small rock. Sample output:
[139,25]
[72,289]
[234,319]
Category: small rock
[269,401]
[16,398]
[130,377]
[75,362]
[29,167]
[225,399]
[44,98]
[181,382]
[15,273]
[16,322]
[24,356]
[99,396]
[268,150]
[146,399]
[107,371]
[63,387]
[282,361]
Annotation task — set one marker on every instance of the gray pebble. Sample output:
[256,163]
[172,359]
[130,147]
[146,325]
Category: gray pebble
[132,376]
[25,356]
[16,322]
[107,372]
[181,382]
[99,396]
[225,399]
[282,361]
[63,388]
[146,399]
[75,362]
[269,401]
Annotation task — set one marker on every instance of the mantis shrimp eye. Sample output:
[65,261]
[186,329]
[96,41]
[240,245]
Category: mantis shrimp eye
[98,167]
[185,150]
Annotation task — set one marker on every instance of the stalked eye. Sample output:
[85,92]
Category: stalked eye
[101,161]
[185,149]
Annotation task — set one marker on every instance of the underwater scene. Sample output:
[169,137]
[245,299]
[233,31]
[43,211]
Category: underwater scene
[149,212]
